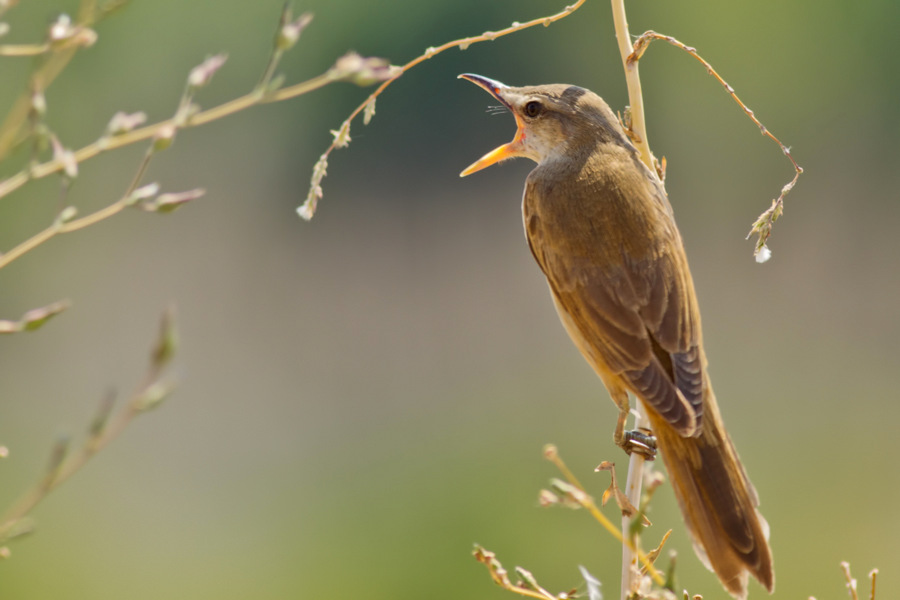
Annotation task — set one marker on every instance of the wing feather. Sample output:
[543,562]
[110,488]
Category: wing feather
[629,300]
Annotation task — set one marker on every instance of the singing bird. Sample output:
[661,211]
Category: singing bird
[601,228]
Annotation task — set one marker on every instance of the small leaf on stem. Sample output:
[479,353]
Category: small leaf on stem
[202,74]
[61,29]
[63,32]
[342,135]
[547,498]
[98,424]
[122,122]
[144,192]
[167,342]
[166,203]
[164,137]
[65,157]
[66,215]
[38,103]
[369,112]
[153,396]
[363,71]
[551,452]
[57,456]
[34,318]
[291,30]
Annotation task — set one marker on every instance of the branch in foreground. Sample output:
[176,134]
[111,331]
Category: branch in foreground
[64,39]
[123,130]
[572,493]
[651,584]
[526,585]
[104,428]
[763,225]
[342,135]
[367,71]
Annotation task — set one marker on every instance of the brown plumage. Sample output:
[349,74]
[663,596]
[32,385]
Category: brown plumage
[602,230]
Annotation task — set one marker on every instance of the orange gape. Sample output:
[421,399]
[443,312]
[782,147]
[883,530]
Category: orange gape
[602,230]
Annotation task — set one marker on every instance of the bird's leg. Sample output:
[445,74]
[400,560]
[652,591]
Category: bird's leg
[641,440]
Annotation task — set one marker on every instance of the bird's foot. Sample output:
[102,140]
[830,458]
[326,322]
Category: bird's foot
[640,441]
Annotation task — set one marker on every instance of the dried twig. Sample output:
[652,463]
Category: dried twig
[637,128]
[527,584]
[104,428]
[147,197]
[64,38]
[573,492]
[342,135]
[125,129]
[763,225]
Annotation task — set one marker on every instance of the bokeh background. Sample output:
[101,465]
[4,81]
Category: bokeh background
[364,396]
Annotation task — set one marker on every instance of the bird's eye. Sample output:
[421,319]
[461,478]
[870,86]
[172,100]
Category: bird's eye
[533,109]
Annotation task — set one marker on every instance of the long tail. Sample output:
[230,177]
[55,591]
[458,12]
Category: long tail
[717,500]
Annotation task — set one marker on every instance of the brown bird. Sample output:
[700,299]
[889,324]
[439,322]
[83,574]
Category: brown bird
[601,228]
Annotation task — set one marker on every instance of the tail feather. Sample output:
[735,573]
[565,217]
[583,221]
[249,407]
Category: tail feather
[717,500]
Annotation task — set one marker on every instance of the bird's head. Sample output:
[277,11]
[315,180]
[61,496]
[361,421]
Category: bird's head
[553,121]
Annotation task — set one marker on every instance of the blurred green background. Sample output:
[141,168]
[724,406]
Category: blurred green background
[364,396]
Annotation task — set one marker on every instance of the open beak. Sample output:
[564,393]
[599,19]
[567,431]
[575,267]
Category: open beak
[510,150]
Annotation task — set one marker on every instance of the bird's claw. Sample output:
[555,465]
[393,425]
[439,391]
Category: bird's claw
[640,441]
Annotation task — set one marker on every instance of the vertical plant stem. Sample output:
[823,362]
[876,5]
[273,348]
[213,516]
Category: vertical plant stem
[633,492]
[639,131]
[633,81]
